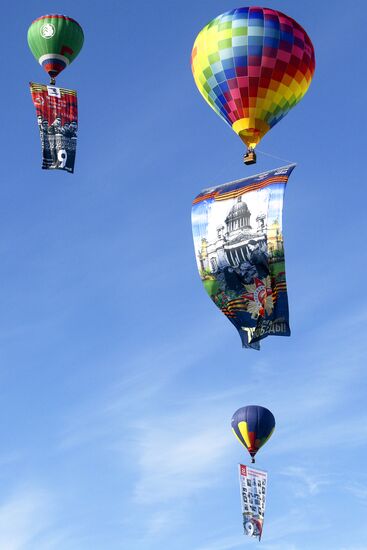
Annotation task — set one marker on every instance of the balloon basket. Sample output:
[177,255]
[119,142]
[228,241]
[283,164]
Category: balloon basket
[249,158]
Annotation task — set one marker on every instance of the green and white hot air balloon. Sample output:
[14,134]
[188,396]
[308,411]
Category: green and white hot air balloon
[55,41]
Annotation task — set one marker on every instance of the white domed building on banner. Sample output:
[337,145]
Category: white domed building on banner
[235,239]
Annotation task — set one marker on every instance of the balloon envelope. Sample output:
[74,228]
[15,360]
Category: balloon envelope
[253,426]
[55,41]
[252,65]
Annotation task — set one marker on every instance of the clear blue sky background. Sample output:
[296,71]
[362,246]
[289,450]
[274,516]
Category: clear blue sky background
[118,376]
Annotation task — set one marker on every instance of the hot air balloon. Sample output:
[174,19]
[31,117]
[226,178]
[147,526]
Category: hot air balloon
[55,41]
[253,426]
[252,65]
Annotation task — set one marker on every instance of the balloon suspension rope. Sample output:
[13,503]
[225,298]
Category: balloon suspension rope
[273,156]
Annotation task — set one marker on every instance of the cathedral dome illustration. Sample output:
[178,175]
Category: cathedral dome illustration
[239,216]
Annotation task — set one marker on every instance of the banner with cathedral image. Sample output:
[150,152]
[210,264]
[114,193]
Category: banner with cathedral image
[238,239]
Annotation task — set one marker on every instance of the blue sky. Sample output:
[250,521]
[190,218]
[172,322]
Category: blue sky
[118,375]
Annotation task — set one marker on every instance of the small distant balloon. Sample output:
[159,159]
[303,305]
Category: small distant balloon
[253,425]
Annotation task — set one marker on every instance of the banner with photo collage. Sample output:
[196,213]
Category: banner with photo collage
[253,485]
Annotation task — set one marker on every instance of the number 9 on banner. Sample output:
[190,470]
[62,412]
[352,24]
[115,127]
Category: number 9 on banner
[62,157]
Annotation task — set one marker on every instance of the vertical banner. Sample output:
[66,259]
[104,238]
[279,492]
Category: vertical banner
[253,484]
[57,117]
[238,239]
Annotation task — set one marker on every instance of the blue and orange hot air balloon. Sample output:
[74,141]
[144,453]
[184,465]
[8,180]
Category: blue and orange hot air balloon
[253,426]
[252,65]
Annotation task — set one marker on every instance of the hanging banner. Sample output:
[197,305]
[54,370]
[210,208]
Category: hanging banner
[57,116]
[238,239]
[253,484]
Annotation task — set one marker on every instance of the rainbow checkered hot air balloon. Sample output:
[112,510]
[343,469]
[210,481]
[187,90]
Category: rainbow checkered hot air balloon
[252,65]
[55,41]
[253,425]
